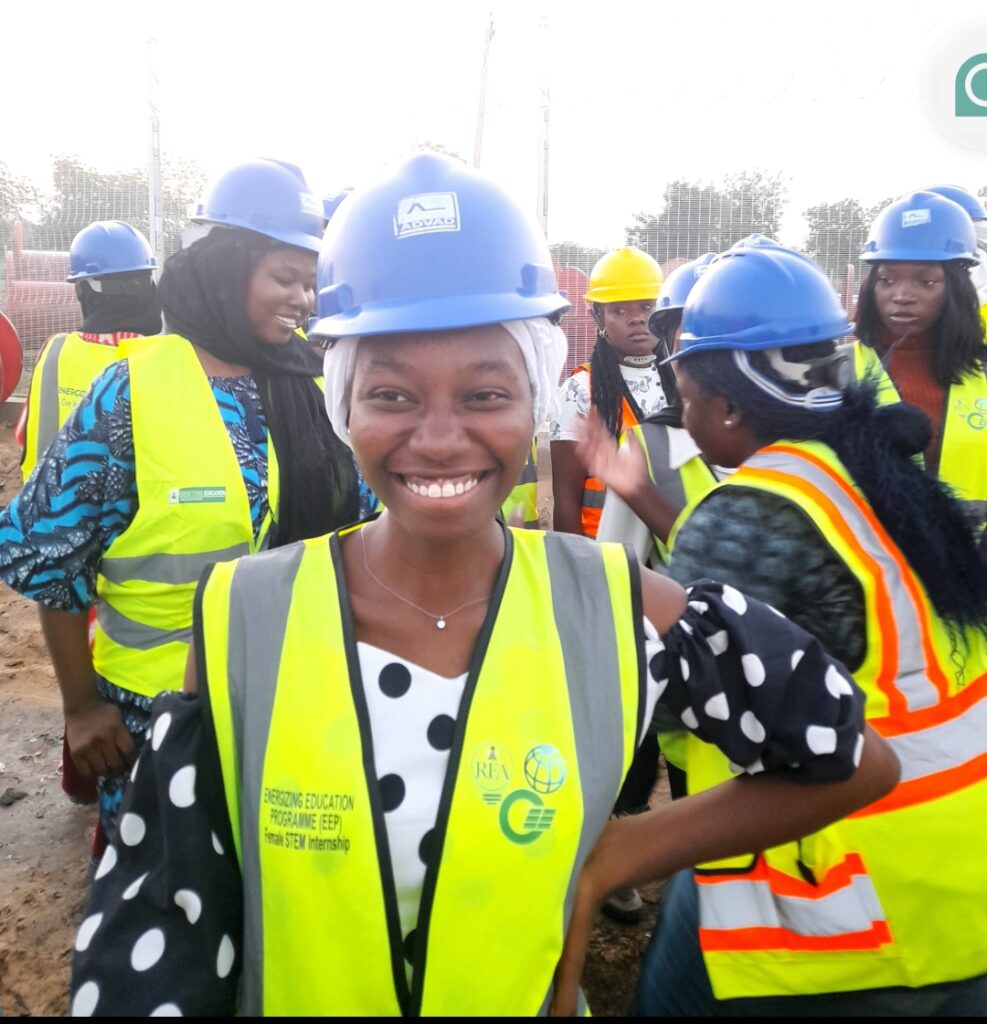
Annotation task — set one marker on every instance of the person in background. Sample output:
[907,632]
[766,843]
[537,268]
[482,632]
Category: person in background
[196,446]
[386,789]
[658,469]
[111,266]
[621,381]
[921,335]
[830,521]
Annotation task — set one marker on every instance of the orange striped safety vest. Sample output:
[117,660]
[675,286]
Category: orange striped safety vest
[897,893]
[594,490]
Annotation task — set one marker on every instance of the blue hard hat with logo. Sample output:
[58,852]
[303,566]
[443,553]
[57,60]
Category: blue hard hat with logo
[269,197]
[760,295]
[973,205]
[922,228]
[676,288]
[434,246]
[108,247]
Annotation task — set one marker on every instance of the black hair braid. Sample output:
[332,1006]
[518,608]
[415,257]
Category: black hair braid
[959,347]
[608,388]
[876,444]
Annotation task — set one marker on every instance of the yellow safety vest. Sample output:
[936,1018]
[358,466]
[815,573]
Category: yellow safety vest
[963,438]
[532,777]
[524,495]
[684,485]
[65,370]
[896,894]
[192,511]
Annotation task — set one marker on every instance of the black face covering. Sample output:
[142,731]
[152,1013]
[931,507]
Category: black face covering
[203,294]
[123,302]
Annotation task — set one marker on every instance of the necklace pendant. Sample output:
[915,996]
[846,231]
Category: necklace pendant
[440,623]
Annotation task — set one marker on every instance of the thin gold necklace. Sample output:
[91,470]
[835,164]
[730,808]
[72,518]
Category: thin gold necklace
[440,620]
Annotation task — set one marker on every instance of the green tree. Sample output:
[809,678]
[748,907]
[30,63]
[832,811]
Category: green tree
[697,218]
[16,194]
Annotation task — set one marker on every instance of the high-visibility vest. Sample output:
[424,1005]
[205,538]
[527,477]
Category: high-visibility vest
[524,495]
[896,894]
[963,438]
[65,370]
[192,511]
[683,485]
[532,777]
[594,490]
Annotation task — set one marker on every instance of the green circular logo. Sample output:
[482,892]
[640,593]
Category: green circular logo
[544,768]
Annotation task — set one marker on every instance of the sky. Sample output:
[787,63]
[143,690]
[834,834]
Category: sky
[832,96]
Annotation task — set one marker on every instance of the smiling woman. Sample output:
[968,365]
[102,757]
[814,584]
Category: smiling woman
[466,697]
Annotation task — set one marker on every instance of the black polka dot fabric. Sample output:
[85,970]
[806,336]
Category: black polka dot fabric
[162,928]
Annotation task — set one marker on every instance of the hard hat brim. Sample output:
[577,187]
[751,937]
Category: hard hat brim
[310,243]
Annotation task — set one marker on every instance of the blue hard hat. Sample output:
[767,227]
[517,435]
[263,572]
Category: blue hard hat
[434,246]
[676,288]
[331,203]
[109,247]
[922,228]
[269,197]
[760,295]
[972,204]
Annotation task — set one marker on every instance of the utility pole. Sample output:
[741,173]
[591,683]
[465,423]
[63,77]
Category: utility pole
[544,111]
[481,112]
[154,156]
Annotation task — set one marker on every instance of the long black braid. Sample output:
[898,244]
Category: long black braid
[607,384]
[876,444]
[958,347]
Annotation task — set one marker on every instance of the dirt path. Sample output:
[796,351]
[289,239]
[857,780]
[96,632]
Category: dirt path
[44,839]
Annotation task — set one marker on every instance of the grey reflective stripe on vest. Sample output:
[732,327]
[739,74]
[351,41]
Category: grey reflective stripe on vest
[594,498]
[529,475]
[582,607]
[259,605]
[163,568]
[736,903]
[667,481]
[128,633]
[912,681]
[48,397]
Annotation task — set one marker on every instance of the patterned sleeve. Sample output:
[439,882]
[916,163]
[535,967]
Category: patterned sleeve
[161,932]
[573,408]
[81,496]
[741,676]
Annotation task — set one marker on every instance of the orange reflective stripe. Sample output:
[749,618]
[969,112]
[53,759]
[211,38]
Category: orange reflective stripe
[887,674]
[757,939]
[933,669]
[926,718]
[929,787]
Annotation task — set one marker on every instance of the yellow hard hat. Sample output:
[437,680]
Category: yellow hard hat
[624,275]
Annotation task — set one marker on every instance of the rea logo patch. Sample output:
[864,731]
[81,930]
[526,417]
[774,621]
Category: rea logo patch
[426,213]
[912,218]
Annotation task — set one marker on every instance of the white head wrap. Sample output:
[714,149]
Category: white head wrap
[542,344]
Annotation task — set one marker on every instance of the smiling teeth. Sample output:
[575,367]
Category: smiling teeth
[442,488]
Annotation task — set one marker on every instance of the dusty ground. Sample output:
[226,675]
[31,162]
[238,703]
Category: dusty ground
[44,839]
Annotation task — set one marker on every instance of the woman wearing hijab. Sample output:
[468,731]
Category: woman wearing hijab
[198,445]
[408,735]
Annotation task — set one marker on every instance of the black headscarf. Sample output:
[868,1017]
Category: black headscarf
[203,294]
[124,302]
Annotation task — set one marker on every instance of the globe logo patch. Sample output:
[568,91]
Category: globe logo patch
[544,768]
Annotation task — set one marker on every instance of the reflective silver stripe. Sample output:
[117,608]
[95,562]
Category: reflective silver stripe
[164,568]
[944,746]
[48,397]
[529,475]
[667,481]
[584,620]
[127,633]
[727,906]
[912,681]
[254,658]
[593,498]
